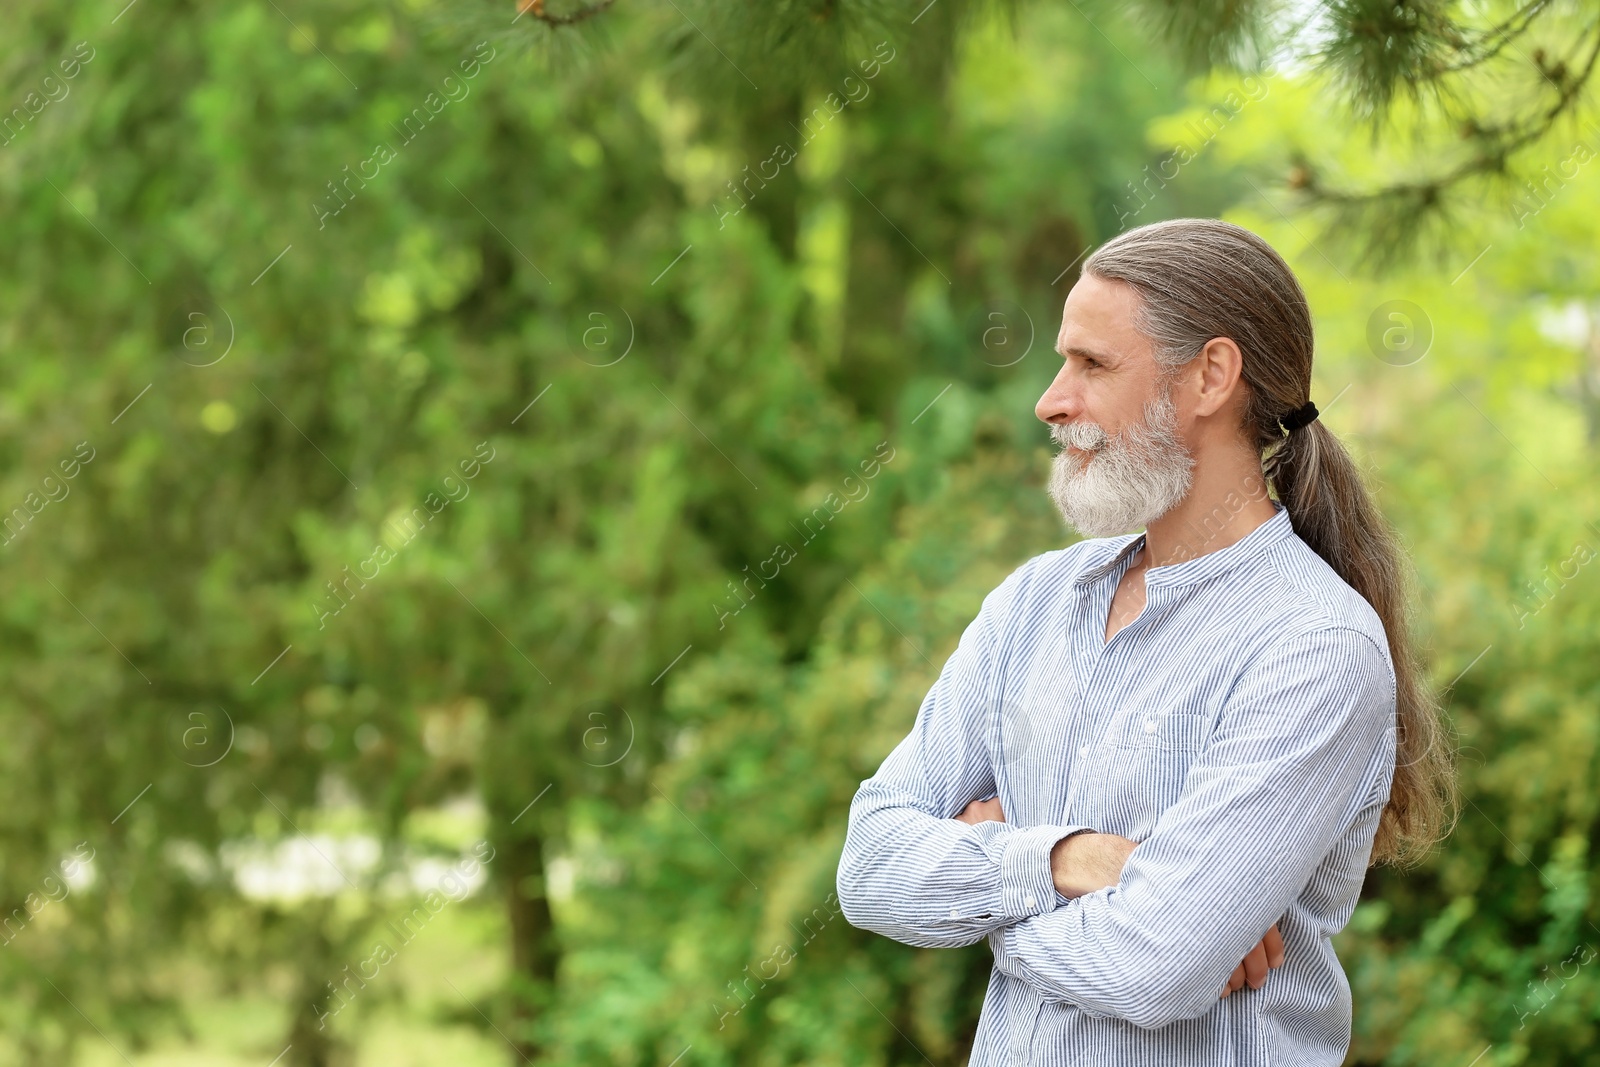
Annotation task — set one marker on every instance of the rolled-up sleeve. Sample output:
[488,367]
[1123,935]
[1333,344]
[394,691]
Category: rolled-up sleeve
[1302,745]
[910,870]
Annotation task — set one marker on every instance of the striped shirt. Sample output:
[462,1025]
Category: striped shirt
[1241,729]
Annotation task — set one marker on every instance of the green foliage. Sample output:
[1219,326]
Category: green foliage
[465,448]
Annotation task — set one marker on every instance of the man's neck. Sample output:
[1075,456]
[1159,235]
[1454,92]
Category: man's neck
[1225,502]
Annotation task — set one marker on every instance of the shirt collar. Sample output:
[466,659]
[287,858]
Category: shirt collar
[1208,565]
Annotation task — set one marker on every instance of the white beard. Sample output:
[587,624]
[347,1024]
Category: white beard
[1131,479]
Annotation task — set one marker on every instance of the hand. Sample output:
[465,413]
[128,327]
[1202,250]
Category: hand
[983,811]
[1085,862]
[1254,967]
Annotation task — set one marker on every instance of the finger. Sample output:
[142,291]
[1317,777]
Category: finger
[1231,984]
[1255,966]
[1274,943]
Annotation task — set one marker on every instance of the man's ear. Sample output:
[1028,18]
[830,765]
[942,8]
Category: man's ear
[1216,372]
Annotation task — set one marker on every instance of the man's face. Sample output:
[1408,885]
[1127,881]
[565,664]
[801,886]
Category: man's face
[1123,463]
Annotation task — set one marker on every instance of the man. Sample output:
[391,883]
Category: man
[1156,767]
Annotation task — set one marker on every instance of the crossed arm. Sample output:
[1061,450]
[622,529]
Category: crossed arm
[1085,862]
[1304,736]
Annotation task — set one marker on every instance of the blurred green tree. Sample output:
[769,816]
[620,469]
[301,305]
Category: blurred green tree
[471,409]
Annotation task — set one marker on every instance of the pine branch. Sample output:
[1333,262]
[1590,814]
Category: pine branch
[1383,221]
[1208,33]
[536,9]
[1495,39]
[1379,48]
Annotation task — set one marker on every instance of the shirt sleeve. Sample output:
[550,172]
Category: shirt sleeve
[909,869]
[1301,746]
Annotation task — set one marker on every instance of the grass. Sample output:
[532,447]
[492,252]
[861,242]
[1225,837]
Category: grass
[422,1017]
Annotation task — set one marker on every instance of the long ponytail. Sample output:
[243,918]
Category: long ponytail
[1203,278]
[1332,511]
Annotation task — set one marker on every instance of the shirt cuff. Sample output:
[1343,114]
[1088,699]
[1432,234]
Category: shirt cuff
[1026,883]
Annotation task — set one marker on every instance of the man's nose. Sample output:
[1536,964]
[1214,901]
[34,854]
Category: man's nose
[1060,403]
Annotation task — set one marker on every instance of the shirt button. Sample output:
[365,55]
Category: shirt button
[953,914]
[1027,901]
[1149,726]
[1083,750]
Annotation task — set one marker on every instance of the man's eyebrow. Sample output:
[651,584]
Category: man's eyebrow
[1088,353]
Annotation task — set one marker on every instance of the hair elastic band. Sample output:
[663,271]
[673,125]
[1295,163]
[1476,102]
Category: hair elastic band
[1299,417]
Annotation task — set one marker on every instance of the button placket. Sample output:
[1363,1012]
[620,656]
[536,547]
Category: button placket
[1090,654]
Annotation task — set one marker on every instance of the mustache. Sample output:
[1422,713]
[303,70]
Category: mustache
[1079,434]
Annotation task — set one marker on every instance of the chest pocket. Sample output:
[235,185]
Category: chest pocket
[1136,770]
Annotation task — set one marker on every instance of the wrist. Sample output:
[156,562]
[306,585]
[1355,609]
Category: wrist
[1064,865]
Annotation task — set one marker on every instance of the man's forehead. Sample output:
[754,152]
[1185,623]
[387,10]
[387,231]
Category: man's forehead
[1094,298]
[1098,317]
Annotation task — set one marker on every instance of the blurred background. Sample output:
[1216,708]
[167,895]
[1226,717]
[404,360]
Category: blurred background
[484,482]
